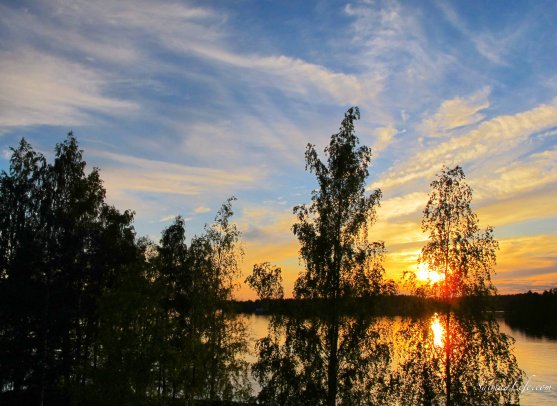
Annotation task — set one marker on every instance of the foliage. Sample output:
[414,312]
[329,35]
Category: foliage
[215,260]
[339,259]
[457,249]
[61,246]
[463,258]
[266,280]
[92,315]
[480,356]
[340,263]
[292,366]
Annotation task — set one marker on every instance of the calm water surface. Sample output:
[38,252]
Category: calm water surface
[536,356]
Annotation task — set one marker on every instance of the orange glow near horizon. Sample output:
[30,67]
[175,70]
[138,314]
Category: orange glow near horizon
[425,274]
[517,262]
[438,331]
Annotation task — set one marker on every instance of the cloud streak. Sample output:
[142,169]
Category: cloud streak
[124,172]
[41,89]
[455,113]
[500,134]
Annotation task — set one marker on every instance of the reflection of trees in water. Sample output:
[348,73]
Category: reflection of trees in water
[472,353]
[337,359]
[388,361]
[530,313]
[293,361]
[340,260]
[167,334]
[217,370]
[467,350]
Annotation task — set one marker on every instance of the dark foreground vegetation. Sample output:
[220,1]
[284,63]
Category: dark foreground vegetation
[92,314]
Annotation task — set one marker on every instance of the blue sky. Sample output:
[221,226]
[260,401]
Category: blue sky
[182,104]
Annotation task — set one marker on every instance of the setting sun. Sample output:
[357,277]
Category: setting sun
[426,275]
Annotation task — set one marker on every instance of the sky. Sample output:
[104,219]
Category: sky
[182,104]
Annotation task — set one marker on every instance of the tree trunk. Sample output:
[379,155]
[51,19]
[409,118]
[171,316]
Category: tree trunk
[332,367]
[448,382]
[44,358]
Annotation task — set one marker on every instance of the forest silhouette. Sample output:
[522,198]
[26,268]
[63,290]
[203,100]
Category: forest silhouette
[93,314]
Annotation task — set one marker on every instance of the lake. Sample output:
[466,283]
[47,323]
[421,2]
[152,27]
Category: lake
[537,357]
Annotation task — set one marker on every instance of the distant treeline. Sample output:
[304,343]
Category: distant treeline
[531,311]
[386,305]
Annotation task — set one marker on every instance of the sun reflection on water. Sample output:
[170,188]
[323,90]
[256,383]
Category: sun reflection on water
[438,331]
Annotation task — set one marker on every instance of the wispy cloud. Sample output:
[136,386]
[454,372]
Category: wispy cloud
[491,47]
[402,206]
[293,75]
[455,113]
[383,137]
[494,136]
[520,208]
[519,178]
[527,263]
[393,42]
[201,209]
[123,33]
[132,173]
[37,88]
[195,31]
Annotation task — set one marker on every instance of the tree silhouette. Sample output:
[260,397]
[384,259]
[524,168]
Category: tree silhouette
[463,258]
[216,256]
[339,259]
[457,249]
[90,314]
[292,366]
[480,355]
[22,282]
[61,246]
[266,280]
[169,316]
[340,263]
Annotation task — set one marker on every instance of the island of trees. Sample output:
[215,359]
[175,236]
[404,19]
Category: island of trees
[91,313]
